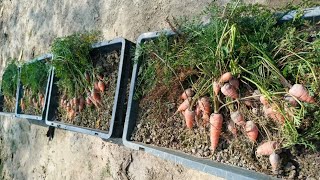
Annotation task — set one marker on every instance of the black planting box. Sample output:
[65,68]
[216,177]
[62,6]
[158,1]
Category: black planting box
[18,113]
[8,114]
[178,157]
[119,106]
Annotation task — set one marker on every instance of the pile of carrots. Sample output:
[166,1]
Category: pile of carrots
[36,102]
[229,87]
[79,103]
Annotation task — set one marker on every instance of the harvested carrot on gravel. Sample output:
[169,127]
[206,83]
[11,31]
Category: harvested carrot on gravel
[215,129]
[185,105]
[205,118]
[251,130]
[216,88]
[267,148]
[274,161]
[237,118]
[225,77]
[232,128]
[204,104]
[198,111]
[273,114]
[229,91]
[235,83]
[187,93]
[189,116]
[301,93]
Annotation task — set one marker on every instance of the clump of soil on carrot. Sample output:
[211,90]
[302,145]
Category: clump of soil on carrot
[92,116]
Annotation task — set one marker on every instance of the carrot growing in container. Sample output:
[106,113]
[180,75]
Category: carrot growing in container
[251,130]
[301,93]
[267,148]
[237,118]
[189,116]
[215,129]
[187,93]
[229,91]
[225,77]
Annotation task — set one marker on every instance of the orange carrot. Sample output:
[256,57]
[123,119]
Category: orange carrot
[96,86]
[267,148]
[251,130]
[189,116]
[274,161]
[68,107]
[185,105]
[234,82]
[71,114]
[96,96]
[204,104]
[81,104]
[101,86]
[205,118]
[42,102]
[198,111]
[264,100]
[187,93]
[225,77]
[273,114]
[216,88]
[237,118]
[301,93]
[22,105]
[232,128]
[229,91]
[215,129]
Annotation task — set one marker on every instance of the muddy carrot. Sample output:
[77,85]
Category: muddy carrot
[185,105]
[204,104]
[237,118]
[267,148]
[216,88]
[229,91]
[225,77]
[251,130]
[215,129]
[301,93]
[235,83]
[101,86]
[274,161]
[187,93]
[291,100]
[232,128]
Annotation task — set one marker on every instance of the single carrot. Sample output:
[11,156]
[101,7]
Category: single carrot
[205,118]
[225,77]
[42,102]
[267,148]
[22,105]
[234,82]
[71,114]
[264,100]
[68,107]
[301,93]
[204,104]
[273,114]
[215,129]
[96,86]
[81,104]
[237,118]
[229,91]
[187,93]
[251,130]
[216,88]
[101,86]
[189,116]
[232,128]
[185,105]
[274,161]
[198,111]
[96,96]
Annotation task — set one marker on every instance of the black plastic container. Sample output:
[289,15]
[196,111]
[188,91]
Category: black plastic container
[18,113]
[119,108]
[178,157]
[8,114]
